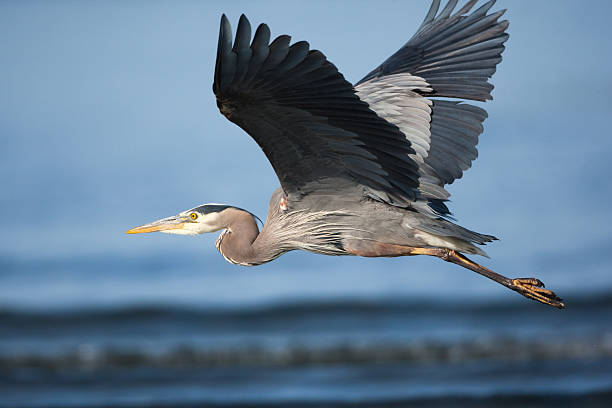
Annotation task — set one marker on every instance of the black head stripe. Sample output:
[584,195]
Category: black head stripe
[212,208]
[217,208]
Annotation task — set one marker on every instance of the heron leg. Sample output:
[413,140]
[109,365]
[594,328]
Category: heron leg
[529,287]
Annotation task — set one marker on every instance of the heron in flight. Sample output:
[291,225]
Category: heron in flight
[362,168]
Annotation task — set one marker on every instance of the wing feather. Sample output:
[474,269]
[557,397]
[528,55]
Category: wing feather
[441,40]
[308,120]
[450,55]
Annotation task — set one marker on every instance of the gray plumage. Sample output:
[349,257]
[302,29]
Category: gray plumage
[383,136]
[362,168]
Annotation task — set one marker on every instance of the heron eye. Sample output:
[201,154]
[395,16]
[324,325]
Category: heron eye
[194,216]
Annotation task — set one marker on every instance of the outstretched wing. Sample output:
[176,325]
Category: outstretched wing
[307,118]
[451,55]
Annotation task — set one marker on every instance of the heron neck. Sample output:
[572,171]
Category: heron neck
[237,243]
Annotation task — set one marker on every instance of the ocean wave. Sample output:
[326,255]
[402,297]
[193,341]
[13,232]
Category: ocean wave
[595,399]
[294,310]
[494,349]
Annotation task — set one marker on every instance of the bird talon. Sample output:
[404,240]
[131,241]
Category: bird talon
[534,289]
[528,281]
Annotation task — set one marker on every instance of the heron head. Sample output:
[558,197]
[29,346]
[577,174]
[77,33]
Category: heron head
[198,220]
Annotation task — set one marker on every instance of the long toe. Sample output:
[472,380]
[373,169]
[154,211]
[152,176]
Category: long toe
[534,289]
[530,281]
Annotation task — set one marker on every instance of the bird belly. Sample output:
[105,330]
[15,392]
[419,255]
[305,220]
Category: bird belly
[376,249]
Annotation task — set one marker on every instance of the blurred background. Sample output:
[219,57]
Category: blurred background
[108,121]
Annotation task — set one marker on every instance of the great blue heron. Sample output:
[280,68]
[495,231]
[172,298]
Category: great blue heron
[362,167]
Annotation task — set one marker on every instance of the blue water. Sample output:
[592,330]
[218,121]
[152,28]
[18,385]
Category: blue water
[127,332]
[107,121]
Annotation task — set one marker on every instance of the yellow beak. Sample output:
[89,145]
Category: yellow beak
[169,223]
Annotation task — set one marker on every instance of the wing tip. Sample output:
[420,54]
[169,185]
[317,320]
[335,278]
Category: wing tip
[431,14]
[243,20]
[224,20]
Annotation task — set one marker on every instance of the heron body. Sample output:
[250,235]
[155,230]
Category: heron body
[362,167]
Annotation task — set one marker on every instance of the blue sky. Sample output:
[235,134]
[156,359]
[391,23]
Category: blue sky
[107,121]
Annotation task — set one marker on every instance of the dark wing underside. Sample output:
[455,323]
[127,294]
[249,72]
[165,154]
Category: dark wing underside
[455,53]
[307,118]
[451,55]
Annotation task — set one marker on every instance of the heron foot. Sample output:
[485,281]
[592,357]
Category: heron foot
[534,289]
